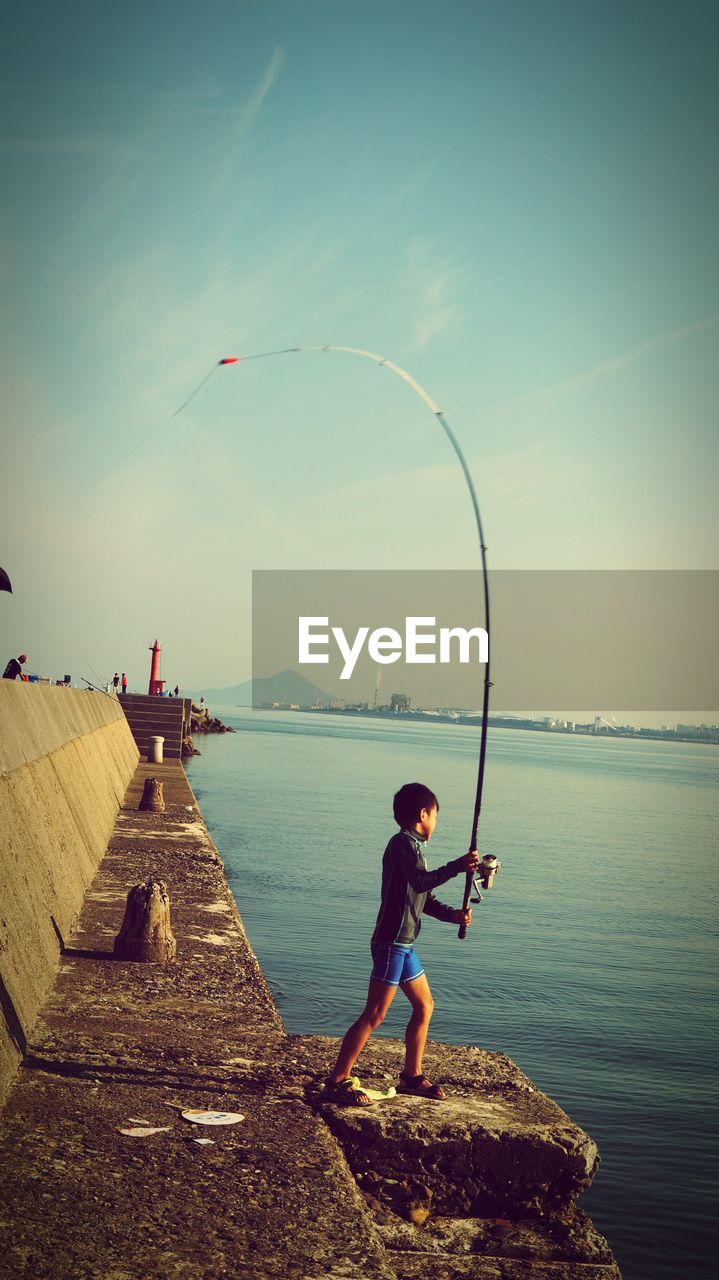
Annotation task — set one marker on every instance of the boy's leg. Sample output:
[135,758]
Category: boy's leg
[420,997]
[379,999]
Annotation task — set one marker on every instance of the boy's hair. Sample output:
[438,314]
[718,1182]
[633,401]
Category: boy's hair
[409,802]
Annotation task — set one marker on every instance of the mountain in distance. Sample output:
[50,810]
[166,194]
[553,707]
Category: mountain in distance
[286,686]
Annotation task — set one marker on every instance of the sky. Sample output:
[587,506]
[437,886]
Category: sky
[517,203]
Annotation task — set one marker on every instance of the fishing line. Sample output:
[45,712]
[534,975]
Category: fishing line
[128,452]
[437,413]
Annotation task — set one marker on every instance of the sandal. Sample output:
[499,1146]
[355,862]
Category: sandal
[346,1093]
[420,1087]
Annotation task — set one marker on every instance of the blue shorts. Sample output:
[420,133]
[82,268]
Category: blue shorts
[394,964]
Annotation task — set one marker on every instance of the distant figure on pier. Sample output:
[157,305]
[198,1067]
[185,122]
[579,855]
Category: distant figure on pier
[14,668]
[176,690]
[406,895]
[124,683]
[115,681]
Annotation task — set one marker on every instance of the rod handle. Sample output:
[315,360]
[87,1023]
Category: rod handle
[462,931]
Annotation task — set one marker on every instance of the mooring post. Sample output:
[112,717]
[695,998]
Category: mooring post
[152,797]
[146,933]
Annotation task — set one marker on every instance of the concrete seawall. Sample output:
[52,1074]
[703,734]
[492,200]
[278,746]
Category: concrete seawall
[66,758]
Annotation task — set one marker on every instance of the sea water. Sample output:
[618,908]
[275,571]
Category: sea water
[591,962]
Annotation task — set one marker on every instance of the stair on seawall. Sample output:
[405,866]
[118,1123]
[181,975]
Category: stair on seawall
[149,717]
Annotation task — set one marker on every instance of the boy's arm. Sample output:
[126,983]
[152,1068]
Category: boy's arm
[423,881]
[440,910]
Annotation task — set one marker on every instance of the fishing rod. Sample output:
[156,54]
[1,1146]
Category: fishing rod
[96,687]
[489,865]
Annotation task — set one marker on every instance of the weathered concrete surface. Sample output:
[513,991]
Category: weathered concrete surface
[553,1249]
[273,1196]
[419,1266]
[66,757]
[37,720]
[270,1198]
[117,1041]
[497,1145]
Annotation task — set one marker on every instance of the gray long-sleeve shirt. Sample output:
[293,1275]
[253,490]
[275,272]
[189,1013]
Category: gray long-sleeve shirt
[406,889]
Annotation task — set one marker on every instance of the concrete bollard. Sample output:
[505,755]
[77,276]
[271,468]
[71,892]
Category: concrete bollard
[154,755]
[152,800]
[146,933]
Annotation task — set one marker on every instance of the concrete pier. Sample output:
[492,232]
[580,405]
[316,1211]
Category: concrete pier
[482,1185]
[117,1042]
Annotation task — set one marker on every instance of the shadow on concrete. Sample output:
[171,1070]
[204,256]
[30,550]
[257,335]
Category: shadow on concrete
[77,1069]
[182,1079]
[12,1022]
[79,953]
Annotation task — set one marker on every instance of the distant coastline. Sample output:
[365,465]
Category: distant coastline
[548,724]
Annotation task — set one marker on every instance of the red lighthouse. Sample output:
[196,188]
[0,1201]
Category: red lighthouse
[156,684]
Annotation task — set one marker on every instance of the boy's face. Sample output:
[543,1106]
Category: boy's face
[427,822]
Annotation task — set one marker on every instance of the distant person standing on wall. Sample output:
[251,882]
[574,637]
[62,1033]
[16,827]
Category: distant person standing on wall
[14,668]
[124,683]
[176,691]
[115,681]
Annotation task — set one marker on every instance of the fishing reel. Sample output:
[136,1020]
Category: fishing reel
[489,867]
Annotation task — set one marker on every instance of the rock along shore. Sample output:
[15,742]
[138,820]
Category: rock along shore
[483,1185]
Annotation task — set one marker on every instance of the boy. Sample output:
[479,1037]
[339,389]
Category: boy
[406,895]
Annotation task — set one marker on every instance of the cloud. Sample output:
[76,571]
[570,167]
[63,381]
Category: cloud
[255,101]
[436,319]
[246,115]
[393,200]
[431,286]
[185,103]
[642,349]
[519,473]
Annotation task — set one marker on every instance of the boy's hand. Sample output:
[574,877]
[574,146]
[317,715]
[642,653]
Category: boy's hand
[463,917]
[470,861]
